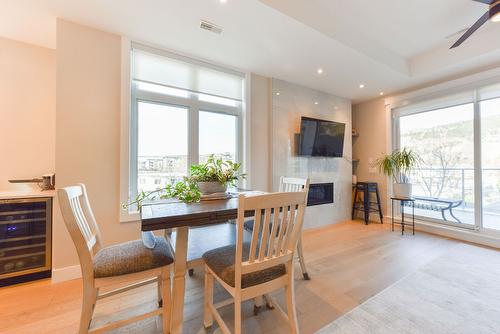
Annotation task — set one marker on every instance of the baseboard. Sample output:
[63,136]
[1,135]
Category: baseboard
[455,233]
[66,274]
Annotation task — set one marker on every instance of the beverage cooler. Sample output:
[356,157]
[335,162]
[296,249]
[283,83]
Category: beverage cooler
[25,239]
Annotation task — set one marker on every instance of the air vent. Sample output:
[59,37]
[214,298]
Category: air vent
[210,27]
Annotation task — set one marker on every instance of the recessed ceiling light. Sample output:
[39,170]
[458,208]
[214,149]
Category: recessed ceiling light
[277,93]
[362,86]
[381,93]
[223,1]
[320,71]
[316,103]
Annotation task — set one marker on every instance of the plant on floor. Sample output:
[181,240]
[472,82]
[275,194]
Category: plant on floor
[223,172]
[398,165]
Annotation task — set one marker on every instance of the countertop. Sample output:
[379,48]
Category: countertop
[8,194]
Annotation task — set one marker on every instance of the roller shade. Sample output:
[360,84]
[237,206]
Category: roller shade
[429,103]
[489,92]
[470,93]
[192,76]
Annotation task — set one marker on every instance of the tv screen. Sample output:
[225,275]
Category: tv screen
[319,138]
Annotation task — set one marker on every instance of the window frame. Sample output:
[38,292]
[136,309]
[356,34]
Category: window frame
[193,105]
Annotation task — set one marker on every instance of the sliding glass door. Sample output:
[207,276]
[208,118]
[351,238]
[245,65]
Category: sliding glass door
[490,142]
[458,138]
[444,181]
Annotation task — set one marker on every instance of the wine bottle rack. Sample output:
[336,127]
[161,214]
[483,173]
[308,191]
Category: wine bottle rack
[25,239]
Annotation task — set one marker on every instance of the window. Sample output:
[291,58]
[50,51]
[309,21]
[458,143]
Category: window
[182,111]
[457,137]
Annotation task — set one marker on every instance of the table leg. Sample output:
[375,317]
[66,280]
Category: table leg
[402,218]
[413,216]
[392,216]
[179,282]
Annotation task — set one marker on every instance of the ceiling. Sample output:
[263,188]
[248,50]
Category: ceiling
[387,45]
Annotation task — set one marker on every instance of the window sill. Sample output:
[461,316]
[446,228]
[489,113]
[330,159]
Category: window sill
[129,217]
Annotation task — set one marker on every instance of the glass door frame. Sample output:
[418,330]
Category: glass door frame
[478,200]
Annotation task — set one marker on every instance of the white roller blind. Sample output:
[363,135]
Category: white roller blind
[489,92]
[428,103]
[191,76]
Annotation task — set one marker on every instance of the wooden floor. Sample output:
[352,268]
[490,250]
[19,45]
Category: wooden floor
[348,263]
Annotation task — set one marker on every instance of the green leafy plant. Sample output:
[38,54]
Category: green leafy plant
[214,170]
[398,164]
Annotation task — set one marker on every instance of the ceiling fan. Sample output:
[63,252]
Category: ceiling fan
[493,14]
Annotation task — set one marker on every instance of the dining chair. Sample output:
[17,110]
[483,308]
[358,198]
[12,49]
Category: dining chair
[116,268]
[265,264]
[288,184]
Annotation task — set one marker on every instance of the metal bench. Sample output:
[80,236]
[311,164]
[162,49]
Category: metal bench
[437,204]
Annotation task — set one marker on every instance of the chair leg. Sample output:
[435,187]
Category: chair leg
[257,304]
[237,313]
[88,303]
[290,302]
[300,252]
[160,296]
[166,299]
[208,319]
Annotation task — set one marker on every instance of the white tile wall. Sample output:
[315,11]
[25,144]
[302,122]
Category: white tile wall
[288,106]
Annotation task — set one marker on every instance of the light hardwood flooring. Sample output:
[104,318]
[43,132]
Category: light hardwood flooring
[348,263]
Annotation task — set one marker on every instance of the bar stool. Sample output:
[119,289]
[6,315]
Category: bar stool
[365,204]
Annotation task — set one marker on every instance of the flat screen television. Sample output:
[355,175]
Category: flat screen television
[320,138]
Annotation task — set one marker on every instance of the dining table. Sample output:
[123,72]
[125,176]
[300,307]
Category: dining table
[179,216]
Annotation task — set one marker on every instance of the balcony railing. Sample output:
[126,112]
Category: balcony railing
[458,184]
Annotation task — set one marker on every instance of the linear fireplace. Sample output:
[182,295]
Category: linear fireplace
[320,193]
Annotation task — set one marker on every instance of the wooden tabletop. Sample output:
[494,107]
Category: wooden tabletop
[169,214]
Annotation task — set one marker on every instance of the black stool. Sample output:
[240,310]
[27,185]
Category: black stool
[366,205]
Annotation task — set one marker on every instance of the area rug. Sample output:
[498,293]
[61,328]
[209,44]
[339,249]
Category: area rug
[458,292]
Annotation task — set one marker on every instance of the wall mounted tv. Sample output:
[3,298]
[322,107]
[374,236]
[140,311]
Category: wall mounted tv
[320,138]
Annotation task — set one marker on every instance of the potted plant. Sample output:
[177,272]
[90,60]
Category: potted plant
[211,177]
[399,165]
[215,175]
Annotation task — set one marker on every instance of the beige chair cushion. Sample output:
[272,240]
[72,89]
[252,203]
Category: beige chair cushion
[221,261]
[131,257]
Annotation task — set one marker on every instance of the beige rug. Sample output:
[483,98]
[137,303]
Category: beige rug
[457,293]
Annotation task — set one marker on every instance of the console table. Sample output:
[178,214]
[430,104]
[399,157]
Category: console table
[403,202]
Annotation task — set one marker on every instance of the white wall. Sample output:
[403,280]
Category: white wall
[293,102]
[260,166]
[27,112]
[88,130]
[370,119]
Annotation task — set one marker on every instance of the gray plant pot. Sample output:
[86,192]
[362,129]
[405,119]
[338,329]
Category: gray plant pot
[402,190]
[211,187]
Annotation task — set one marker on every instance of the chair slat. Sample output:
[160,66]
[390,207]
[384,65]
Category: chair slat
[265,234]
[274,232]
[281,232]
[289,229]
[255,235]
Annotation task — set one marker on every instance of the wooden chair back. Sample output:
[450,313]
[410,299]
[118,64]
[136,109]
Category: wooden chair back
[81,224]
[271,244]
[290,184]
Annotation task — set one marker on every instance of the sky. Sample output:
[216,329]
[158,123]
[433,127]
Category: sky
[163,130]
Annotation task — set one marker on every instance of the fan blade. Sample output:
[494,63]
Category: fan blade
[488,2]
[472,29]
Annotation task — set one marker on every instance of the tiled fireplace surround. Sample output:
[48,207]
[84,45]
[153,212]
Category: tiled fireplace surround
[289,103]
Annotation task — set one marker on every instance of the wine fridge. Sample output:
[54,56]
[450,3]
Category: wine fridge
[25,239]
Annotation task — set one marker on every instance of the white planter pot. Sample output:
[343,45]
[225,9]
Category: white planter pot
[402,190]
[211,187]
